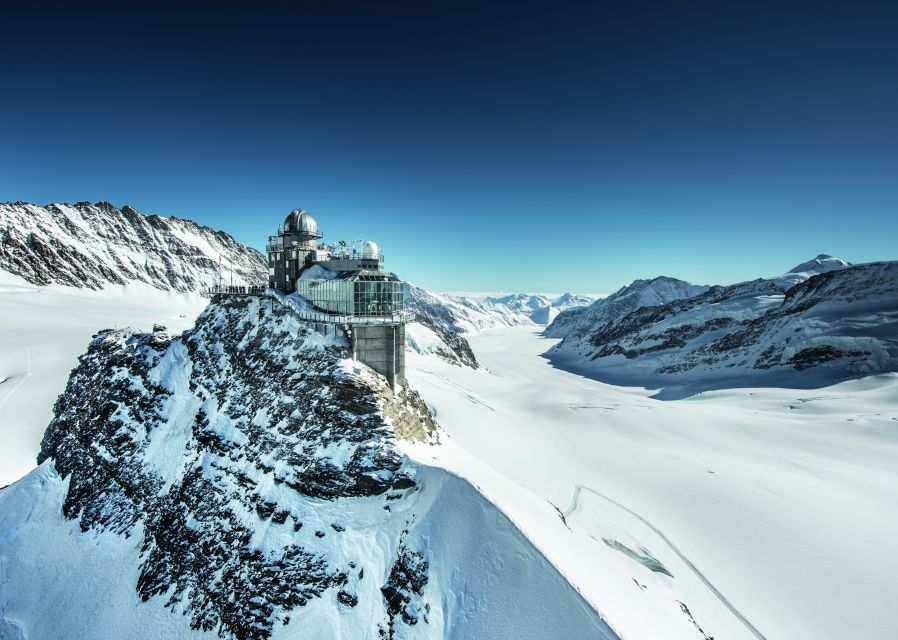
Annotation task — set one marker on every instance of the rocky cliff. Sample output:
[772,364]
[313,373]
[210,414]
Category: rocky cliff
[245,480]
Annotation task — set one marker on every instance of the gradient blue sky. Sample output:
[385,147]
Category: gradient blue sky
[508,146]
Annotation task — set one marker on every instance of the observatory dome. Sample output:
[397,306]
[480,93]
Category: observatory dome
[300,221]
[370,249]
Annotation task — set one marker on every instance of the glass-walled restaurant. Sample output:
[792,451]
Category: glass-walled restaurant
[359,295]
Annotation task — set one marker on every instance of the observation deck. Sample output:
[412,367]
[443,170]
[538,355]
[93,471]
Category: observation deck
[311,314]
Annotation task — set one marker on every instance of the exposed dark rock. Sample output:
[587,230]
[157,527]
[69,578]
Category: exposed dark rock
[247,401]
[814,356]
[404,589]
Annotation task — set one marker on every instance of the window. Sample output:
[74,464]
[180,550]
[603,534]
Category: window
[365,295]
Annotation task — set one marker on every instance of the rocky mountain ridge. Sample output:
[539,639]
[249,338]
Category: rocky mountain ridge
[832,325]
[640,293]
[98,245]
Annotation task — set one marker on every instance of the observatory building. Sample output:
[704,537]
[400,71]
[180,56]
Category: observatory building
[347,290]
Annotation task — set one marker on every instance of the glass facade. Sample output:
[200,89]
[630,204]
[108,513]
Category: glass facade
[359,295]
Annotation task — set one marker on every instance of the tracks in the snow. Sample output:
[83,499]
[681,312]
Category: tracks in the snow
[21,382]
[575,506]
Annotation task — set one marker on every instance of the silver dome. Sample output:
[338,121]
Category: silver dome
[300,221]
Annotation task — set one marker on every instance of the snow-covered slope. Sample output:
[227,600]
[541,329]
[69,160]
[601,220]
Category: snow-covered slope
[641,293]
[780,504]
[840,323]
[245,481]
[68,271]
[97,245]
[442,318]
[43,331]
[469,314]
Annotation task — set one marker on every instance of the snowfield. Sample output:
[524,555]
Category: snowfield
[768,513]
[43,331]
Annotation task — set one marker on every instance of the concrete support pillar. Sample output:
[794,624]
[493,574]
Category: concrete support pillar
[381,347]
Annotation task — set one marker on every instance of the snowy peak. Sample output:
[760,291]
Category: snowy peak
[660,290]
[97,245]
[799,273]
[821,264]
[470,314]
[640,293]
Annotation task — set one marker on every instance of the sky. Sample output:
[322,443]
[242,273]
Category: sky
[485,146]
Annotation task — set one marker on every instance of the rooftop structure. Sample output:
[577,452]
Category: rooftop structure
[347,289]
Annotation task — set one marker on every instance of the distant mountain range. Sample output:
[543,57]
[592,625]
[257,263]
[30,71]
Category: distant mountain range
[97,245]
[823,321]
[443,318]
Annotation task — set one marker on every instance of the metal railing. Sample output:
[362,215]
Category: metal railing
[276,248]
[399,317]
[235,290]
[313,315]
[355,256]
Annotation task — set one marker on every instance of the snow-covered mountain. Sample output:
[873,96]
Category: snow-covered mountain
[97,245]
[799,273]
[244,480]
[839,323]
[537,308]
[641,293]
[442,318]
[469,314]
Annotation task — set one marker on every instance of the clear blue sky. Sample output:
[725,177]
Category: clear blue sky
[514,146]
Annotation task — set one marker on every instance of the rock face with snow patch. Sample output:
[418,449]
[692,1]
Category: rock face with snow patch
[244,480]
[96,245]
[837,324]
